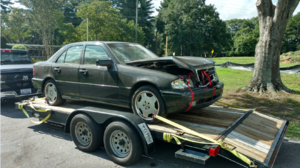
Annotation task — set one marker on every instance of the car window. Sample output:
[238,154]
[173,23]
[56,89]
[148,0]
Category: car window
[94,53]
[61,58]
[15,58]
[73,55]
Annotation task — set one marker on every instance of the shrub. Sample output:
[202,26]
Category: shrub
[19,46]
[285,54]
[35,60]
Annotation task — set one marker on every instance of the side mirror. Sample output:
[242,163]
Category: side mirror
[106,63]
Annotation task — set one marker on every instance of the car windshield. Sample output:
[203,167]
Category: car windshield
[15,58]
[126,52]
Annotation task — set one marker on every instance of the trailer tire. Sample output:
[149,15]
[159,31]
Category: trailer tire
[86,133]
[122,143]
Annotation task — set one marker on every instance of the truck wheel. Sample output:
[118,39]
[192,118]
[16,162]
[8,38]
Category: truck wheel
[52,92]
[146,102]
[86,133]
[122,143]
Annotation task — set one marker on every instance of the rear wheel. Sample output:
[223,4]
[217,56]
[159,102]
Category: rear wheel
[122,143]
[146,102]
[53,94]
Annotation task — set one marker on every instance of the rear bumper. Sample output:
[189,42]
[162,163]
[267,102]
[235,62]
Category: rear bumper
[179,101]
[12,95]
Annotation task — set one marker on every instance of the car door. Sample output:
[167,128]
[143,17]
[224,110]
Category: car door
[97,82]
[65,71]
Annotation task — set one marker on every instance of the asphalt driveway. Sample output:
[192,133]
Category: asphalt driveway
[24,144]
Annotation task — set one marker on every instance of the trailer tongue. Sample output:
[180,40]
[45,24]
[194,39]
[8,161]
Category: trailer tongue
[256,136]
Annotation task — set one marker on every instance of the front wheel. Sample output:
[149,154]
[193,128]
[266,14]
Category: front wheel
[146,102]
[122,143]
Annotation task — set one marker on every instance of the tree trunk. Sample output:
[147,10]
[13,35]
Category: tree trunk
[272,24]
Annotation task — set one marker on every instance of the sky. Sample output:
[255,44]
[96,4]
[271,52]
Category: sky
[229,9]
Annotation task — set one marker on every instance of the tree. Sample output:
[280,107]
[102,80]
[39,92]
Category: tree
[14,26]
[5,6]
[245,41]
[127,10]
[272,24]
[104,24]
[192,26]
[291,39]
[45,16]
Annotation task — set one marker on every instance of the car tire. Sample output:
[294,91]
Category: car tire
[86,133]
[122,143]
[52,92]
[147,95]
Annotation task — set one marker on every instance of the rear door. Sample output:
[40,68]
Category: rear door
[97,82]
[65,70]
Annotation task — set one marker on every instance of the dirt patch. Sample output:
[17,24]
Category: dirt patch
[290,57]
[286,107]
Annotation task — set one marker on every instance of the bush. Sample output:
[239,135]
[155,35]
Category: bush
[285,54]
[20,47]
[35,60]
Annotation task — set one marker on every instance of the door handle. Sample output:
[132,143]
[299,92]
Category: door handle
[84,71]
[57,69]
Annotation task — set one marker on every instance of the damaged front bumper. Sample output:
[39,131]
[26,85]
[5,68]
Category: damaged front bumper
[179,101]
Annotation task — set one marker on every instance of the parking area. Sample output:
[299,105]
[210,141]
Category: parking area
[24,144]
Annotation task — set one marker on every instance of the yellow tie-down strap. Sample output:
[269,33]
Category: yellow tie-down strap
[20,106]
[168,137]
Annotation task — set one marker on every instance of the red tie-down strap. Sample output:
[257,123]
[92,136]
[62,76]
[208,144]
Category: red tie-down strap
[210,83]
[190,90]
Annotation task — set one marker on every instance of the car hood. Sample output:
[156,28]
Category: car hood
[15,68]
[186,62]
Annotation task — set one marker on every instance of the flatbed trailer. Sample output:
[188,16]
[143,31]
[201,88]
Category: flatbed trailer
[255,135]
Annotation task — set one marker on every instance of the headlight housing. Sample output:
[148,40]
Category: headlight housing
[180,84]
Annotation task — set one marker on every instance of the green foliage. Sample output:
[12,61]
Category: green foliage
[193,27]
[127,11]
[35,60]
[5,6]
[104,25]
[19,46]
[291,39]
[245,35]
[14,26]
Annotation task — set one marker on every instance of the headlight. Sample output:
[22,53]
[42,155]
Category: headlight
[180,84]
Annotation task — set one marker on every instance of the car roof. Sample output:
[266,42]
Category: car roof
[96,42]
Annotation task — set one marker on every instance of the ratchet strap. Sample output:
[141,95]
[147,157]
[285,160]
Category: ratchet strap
[168,137]
[20,106]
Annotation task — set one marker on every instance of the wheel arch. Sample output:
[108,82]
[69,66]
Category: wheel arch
[44,82]
[105,118]
[140,84]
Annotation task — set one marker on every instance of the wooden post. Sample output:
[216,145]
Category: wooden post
[167,46]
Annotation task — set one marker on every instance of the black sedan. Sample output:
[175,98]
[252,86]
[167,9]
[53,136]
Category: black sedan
[128,75]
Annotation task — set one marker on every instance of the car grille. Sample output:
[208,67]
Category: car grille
[212,75]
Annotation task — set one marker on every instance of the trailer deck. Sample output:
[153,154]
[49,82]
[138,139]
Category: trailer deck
[253,134]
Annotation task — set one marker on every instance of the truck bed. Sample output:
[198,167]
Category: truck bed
[258,136]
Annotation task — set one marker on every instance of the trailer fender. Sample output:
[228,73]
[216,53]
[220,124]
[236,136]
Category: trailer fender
[105,116]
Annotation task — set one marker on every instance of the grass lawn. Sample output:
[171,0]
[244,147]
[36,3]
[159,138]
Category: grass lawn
[245,60]
[286,107]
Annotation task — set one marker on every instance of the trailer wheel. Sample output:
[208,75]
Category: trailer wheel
[86,133]
[122,143]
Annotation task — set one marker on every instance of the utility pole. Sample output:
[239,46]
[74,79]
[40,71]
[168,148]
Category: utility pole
[156,35]
[136,20]
[167,46]
[87,29]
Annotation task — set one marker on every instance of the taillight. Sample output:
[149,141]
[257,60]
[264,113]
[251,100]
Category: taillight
[6,50]
[33,72]
[214,151]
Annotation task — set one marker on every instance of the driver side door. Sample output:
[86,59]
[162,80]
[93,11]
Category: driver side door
[97,83]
